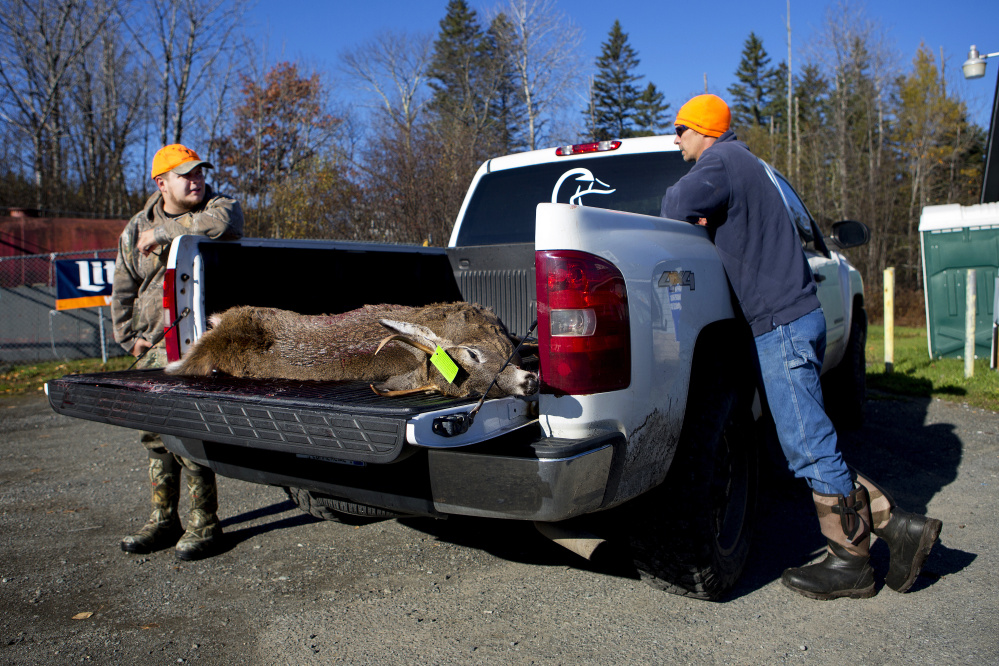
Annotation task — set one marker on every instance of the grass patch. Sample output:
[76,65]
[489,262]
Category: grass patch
[915,374]
[21,379]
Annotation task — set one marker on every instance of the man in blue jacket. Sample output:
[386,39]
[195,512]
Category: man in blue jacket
[730,192]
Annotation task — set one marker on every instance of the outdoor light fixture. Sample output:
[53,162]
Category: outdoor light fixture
[974,66]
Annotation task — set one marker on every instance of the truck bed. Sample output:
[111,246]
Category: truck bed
[340,420]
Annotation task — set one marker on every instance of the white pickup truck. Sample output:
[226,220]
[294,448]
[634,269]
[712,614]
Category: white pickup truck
[648,400]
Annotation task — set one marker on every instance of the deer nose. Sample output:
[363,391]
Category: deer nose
[531,384]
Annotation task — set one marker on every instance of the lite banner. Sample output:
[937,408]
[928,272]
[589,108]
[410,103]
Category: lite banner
[83,283]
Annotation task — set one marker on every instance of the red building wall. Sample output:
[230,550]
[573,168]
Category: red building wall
[41,235]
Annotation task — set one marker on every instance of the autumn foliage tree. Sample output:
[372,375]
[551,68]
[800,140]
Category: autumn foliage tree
[282,137]
[934,141]
[279,123]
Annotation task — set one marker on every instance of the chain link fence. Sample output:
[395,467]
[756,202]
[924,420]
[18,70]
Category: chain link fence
[32,330]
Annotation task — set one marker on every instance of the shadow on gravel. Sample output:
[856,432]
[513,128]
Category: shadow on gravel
[513,540]
[235,537]
[519,541]
[910,459]
[262,512]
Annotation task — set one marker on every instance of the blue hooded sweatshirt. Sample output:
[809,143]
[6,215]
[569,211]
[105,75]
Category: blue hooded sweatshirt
[758,243]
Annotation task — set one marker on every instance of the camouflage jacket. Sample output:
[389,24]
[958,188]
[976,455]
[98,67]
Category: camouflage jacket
[137,292]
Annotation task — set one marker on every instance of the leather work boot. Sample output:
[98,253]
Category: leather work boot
[204,531]
[846,571]
[163,528]
[910,536]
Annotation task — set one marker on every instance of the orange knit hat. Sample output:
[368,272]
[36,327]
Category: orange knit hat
[705,114]
[177,158]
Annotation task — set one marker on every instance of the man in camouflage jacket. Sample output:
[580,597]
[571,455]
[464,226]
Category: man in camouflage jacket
[183,204]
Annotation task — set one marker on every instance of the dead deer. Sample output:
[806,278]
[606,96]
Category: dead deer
[388,344]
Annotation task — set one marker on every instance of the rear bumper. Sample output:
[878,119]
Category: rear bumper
[341,441]
[545,480]
[562,479]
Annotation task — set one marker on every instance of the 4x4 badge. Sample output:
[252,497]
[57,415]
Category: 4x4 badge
[674,280]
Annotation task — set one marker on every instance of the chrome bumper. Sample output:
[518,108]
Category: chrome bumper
[564,478]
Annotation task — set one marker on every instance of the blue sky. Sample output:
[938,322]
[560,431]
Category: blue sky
[678,43]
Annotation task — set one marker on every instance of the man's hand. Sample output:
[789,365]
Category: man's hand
[146,242]
[702,222]
[140,346]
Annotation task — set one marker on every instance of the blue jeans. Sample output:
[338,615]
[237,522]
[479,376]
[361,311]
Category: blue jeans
[790,362]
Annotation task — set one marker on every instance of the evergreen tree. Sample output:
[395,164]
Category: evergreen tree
[650,118]
[473,80]
[811,89]
[753,94]
[457,66]
[775,112]
[614,96]
[506,108]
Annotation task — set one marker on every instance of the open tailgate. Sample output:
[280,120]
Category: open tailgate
[341,420]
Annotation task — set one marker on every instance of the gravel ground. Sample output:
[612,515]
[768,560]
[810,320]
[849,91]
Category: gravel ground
[291,589]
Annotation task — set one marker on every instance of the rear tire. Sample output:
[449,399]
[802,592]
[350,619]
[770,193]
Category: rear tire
[691,535]
[326,507]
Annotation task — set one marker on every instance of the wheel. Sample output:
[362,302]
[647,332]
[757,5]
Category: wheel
[844,388]
[691,535]
[336,510]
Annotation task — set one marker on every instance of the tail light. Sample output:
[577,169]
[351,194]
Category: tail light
[172,337]
[583,328]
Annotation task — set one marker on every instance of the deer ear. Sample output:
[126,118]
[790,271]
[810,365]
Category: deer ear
[414,381]
[419,333]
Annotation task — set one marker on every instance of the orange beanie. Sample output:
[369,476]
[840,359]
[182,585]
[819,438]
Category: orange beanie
[705,114]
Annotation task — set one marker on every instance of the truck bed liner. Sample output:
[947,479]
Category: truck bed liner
[332,419]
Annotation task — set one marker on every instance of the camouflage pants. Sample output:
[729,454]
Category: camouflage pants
[156,358]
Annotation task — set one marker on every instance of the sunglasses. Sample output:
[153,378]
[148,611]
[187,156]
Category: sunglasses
[680,129]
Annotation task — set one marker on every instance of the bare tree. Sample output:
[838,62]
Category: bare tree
[219,89]
[545,56]
[860,173]
[392,67]
[862,69]
[107,93]
[41,42]
[190,36]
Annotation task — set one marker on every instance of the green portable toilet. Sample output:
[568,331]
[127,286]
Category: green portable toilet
[955,238]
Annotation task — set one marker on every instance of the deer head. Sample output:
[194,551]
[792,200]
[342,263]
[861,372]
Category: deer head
[479,348]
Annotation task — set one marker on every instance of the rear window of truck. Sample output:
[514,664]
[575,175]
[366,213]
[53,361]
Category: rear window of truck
[503,205]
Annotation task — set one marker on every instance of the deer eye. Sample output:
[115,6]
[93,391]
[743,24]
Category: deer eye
[473,355]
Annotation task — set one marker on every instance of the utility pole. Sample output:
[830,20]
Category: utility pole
[788,119]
